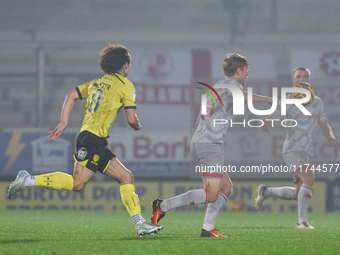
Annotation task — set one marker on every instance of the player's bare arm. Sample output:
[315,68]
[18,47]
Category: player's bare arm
[132,119]
[69,101]
[197,120]
[328,133]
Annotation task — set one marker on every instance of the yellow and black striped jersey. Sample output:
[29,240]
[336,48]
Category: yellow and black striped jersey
[104,98]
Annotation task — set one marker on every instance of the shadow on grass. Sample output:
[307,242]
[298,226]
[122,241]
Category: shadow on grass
[22,241]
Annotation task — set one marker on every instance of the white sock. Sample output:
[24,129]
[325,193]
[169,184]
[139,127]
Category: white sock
[30,181]
[138,219]
[285,192]
[212,211]
[304,196]
[192,197]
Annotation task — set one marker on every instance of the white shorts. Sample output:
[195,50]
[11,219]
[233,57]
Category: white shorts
[206,158]
[298,161]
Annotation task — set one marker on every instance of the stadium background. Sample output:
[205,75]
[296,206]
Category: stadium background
[49,47]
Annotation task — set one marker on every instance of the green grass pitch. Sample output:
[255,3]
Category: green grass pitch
[105,232]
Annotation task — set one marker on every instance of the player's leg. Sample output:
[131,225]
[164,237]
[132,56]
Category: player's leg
[88,147]
[191,197]
[284,192]
[209,194]
[208,154]
[54,180]
[58,180]
[117,171]
[298,183]
[84,168]
[304,180]
[213,208]
[217,185]
[304,191]
[81,176]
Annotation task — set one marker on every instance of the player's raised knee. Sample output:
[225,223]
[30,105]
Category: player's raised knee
[127,178]
[227,187]
[211,196]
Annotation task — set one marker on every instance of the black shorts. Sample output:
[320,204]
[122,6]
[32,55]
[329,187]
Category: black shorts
[92,152]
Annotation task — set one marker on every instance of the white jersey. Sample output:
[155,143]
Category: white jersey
[301,137]
[205,131]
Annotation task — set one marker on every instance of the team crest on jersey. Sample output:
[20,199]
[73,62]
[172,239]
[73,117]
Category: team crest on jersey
[134,94]
[95,159]
[82,153]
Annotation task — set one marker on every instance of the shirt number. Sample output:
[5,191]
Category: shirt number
[95,101]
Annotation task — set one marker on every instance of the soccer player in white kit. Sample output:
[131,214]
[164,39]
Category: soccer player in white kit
[208,145]
[298,150]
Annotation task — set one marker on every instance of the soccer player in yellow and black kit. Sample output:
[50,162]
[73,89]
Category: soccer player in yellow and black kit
[104,98]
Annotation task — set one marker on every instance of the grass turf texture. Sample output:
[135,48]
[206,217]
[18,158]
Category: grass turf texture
[103,232]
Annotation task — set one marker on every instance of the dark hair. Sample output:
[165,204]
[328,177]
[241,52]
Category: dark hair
[301,68]
[113,57]
[232,62]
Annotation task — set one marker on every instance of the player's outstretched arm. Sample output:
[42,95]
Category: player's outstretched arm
[198,120]
[132,119]
[328,133]
[69,101]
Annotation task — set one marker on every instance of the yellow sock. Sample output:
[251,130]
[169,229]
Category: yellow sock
[56,180]
[130,199]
